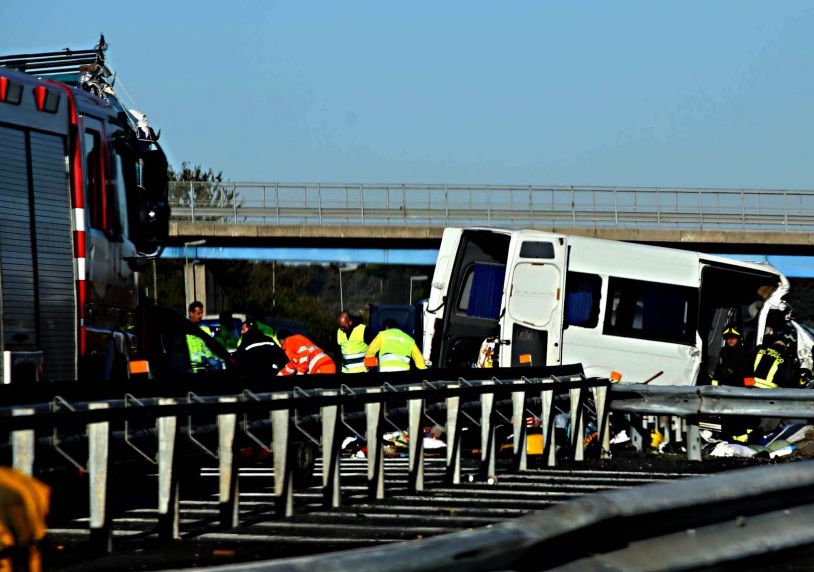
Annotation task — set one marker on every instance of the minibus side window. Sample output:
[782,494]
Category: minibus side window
[582,293]
[651,311]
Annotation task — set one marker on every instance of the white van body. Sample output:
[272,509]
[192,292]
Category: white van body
[644,314]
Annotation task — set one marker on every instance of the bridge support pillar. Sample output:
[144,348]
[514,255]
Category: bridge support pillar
[195,283]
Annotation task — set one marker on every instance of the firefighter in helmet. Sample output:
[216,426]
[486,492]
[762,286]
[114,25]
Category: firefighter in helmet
[776,363]
[734,362]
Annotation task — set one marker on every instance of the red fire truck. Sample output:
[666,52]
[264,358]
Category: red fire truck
[83,206]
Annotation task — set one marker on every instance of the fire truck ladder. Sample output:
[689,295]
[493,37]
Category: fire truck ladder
[79,67]
[85,69]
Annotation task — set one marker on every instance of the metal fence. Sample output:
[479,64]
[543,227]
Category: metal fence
[293,417]
[492,205]
[750,519]
[648,519]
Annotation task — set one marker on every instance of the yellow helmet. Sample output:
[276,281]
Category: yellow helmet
[731,332]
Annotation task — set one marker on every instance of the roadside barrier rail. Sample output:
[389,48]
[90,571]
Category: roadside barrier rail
[744,519]
[492,205]
[319,415]
[322,415]
[691,404]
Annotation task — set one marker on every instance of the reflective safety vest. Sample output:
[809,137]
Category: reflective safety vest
[198,350]
[305,358]
[226,338]
[395,351]
[353,349]
[268,331]
[767,362]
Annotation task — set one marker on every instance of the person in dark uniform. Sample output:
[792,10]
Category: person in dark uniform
[257,353]
[776,364]
[735,363]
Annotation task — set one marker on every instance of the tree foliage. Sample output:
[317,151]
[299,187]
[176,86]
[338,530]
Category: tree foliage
[206,188]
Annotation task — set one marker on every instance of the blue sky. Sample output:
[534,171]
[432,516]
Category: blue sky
[628,93]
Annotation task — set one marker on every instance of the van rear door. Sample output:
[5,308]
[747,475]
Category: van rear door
[441,278]
[531,325]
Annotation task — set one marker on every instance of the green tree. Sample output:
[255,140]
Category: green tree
[194,186]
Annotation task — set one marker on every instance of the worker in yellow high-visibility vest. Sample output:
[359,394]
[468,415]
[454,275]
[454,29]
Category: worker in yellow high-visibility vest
[199,354]
[395,350]
[353,338]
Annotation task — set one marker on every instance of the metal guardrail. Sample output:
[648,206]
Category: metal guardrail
[742,514]
[691,403]
[286,413]
[492,205]
[721,522]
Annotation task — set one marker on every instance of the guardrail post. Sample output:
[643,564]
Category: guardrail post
[168,508]
[665,427]
[638,431]
[547,422]
[101,532]
[415,410]
[375,454]
[677,427]
[330,453]
[577,424]
[22,444]
[519,428]
[283,470]
[602,420]
[228,492]
[453,438]
[487,432]
[693,439]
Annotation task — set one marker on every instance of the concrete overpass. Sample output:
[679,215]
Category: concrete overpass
[319,213]
[403,224]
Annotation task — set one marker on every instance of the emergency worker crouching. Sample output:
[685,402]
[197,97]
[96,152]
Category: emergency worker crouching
[395,350]
[304,356]
[258,354]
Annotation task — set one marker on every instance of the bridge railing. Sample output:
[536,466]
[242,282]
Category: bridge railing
[492,205]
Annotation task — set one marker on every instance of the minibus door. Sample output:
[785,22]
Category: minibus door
[531,326]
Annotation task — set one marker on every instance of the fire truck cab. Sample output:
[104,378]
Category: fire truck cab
[83,203]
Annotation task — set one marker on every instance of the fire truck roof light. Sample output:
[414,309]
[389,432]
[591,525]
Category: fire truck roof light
[10,91]
[47,100]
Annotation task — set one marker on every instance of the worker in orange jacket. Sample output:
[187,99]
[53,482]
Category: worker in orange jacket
[304,356]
